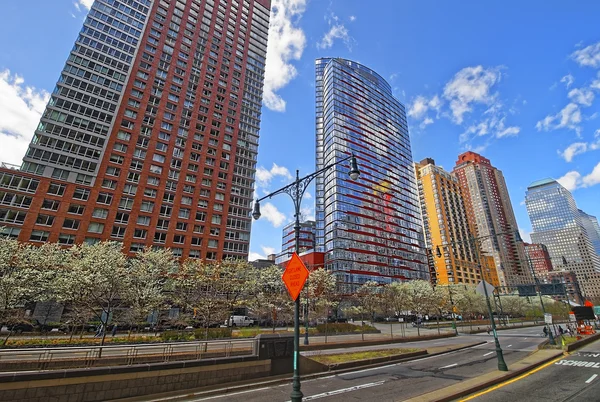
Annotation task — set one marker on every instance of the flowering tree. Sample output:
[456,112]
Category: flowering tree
[147,273]
[269,298]
[395,299]
[423,298]
[96,278]
[369,301]
[322,291]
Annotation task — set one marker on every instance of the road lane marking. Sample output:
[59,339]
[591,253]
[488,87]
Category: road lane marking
[591,378]
[342,391]
[487,354]
[483,344]
[450,365]
[543,366]
[509,346]
[577,363]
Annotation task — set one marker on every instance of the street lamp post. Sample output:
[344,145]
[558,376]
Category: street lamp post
[473,243]
[501,363]
[296,190]
[450,279]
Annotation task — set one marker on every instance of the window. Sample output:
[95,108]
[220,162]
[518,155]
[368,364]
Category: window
[184,213]
[112,184]
[150,192]
[39,235]
[50,204]
[81,194]
[66,239]
[71,224]
[76,209]
[162,224]
[118,232]
[181,226]
[160,237]
[46,220]
[143,220]
[113,171]
[213,243]
[100,213]
[104,198]
[153,181]
[177,252]
[56,189]
[180,239]
[96,227]
[147,206]
[216,219]
[130,189]
[122,217]
[140,233]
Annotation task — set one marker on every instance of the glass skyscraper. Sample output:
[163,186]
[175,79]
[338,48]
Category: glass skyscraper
[151,134]
[558,224]
[369,229]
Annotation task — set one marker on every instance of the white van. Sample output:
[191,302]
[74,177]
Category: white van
[239,321]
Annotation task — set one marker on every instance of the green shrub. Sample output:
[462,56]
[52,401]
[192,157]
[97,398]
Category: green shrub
[338,327]
[213,333]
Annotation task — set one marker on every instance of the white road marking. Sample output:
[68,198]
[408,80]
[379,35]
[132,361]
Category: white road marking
[487,354]
[450,365]
[591,378]
[483,344]
[342,391]
[509,346]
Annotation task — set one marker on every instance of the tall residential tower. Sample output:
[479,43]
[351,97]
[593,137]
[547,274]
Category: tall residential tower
[448,229]
[151,134]
[489,208]
[369,229]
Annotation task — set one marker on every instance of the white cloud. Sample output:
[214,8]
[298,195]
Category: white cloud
[588,56]
[286,43]
[596,83]
[574,149]
[264,176]
[253,255]
[508,132]
[570,180]
[422,105]
[337,31]
[21,108]
[85,3]
[470,85]
[568,80]
[352,18]
[272,214]
[574,180]
[569,117]
[593,178]
[584,96]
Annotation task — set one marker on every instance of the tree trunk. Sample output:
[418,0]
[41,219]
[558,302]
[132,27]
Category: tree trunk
[10,332]
[438,321]
[72,333]
[326,329]
[391,329]
[362,325]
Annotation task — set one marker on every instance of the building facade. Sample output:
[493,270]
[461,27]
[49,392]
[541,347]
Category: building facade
[538,259]
[446,226]
[489,208]
[151,134]
[590,223]
[369,229]
[557,223]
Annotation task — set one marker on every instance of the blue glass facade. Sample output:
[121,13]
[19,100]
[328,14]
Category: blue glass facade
[370,229]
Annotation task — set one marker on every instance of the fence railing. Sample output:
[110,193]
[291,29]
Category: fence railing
[95,356]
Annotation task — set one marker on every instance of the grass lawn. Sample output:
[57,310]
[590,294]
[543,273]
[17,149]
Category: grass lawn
[348,357]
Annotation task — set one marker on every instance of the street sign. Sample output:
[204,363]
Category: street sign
[295,276]
[548,318]
[490,289]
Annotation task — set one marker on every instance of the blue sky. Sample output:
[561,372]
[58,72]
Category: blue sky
[518,82]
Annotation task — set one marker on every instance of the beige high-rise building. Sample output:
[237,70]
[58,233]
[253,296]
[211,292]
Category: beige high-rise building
[448,229]
[489,208]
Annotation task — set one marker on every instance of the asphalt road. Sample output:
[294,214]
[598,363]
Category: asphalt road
[572,378]
[401,381]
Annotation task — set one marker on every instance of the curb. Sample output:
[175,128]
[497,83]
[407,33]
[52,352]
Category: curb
[286,379]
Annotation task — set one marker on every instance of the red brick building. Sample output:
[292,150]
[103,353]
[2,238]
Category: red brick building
[151,134]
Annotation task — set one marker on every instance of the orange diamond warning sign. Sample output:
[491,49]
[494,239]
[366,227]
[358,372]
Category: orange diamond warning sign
[295,276]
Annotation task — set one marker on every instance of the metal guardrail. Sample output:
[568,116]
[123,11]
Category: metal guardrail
[77,357]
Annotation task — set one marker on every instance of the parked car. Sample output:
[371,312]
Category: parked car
[20,327]
[239,321]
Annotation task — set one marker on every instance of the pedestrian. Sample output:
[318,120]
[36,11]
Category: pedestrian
[100,331]
[488,330]
[561,331]
[545,331]
[114,330]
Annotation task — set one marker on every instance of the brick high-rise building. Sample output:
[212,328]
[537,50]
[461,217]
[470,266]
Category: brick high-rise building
[369,229]
[446,226]
[151,134]
[539,259]
[489,208]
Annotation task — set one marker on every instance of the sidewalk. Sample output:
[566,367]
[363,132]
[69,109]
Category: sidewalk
[473,385]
